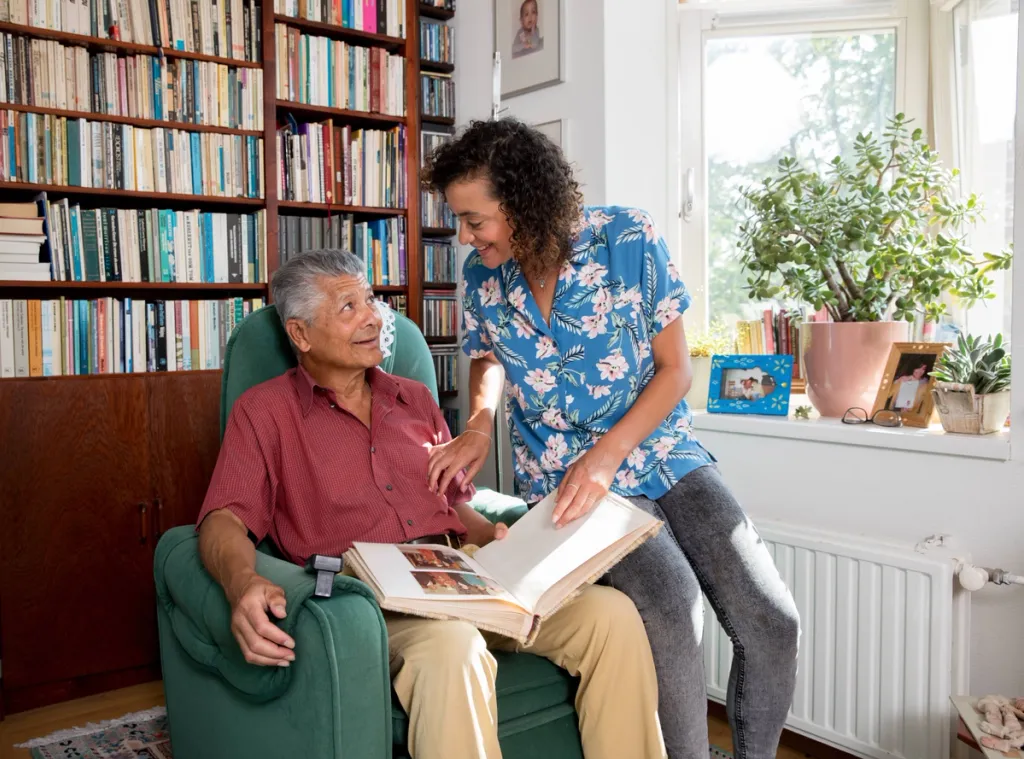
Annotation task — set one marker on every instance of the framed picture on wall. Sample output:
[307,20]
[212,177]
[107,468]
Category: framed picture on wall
[553,130]
[528,34]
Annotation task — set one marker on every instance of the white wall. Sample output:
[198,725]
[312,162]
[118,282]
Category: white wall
[619,106]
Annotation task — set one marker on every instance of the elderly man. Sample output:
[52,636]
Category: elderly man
[335,451]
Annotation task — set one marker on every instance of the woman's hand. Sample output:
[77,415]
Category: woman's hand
[586,482]
[468,451]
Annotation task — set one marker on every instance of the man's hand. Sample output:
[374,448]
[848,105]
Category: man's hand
[481,536]
[468,451]
[262,642]
[585,483]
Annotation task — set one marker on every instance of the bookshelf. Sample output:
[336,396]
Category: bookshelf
[436,110]
[145,442]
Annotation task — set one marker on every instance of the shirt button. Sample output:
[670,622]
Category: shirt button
[373,449]
[334,405]
[408,522]
[388,487]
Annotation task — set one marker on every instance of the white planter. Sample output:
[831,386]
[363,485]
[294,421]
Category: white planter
[697,398]
[960,410]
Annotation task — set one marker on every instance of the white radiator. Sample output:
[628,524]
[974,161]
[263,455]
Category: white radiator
[882,644]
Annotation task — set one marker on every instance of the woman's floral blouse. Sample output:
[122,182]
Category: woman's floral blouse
[568,382]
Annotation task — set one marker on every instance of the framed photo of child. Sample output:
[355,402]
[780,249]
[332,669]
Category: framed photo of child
[750,384]
[906,386]
[528,35]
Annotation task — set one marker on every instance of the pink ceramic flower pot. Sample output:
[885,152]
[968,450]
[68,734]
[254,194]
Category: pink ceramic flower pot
[844,362]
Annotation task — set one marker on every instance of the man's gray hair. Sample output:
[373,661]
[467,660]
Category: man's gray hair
[294,286]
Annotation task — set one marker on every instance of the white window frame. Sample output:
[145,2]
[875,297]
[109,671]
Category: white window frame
[687,156]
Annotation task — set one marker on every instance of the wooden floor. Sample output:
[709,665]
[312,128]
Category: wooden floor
[21,727]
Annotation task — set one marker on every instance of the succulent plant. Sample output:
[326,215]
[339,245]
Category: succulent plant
[982,363]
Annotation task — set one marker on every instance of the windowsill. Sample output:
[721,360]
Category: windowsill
[934,439]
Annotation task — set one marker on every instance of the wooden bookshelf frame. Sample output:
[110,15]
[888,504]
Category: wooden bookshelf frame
[274,111]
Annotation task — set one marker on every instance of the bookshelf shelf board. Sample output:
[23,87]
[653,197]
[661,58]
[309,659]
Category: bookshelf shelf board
[107,375]
[150,198]
[426,118]
[436,66]
[440,286]
[130,120]
[390,288]
[363,117]
[119,46]
[447,393]
[439,232]
[433,12]
[449,340]
[303,206]
[177,288]
[342,32]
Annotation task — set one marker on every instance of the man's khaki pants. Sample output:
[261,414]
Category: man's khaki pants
[444,676]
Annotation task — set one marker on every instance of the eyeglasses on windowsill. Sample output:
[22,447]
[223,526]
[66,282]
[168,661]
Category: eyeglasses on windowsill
[882,417]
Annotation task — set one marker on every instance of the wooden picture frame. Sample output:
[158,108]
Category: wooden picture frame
[906,386]
[750,384]
[529,61]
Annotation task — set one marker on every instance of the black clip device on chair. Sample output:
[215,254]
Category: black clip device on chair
[324,567]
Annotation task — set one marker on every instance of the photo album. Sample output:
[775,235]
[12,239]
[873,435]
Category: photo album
[509,586]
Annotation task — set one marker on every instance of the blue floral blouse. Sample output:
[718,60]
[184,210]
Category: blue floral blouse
[568,383]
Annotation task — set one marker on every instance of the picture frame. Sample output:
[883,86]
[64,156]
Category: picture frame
[529,37]
[906,386]
[554,131]
[750,384]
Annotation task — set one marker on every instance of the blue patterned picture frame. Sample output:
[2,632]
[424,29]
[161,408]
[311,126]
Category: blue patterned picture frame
[750,384]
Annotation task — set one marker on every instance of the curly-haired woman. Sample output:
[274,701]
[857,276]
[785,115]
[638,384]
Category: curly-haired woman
[578,310]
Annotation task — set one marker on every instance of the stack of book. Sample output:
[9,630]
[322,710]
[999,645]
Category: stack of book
[44,338]
[440,314]
[155,245]
[446,367]
[326,72]
[228,29]
[322,163]
[439,261]
[437,41]
[437,96]
[385,17]
[68,77]
[380,243]
[45,149]
[22,236]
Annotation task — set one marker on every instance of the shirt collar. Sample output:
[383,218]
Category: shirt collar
[381,384]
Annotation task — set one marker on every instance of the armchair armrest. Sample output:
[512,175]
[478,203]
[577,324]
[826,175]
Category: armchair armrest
[498,507]
[201,621]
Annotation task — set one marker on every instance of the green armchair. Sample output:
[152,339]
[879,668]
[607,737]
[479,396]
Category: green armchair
[335,701]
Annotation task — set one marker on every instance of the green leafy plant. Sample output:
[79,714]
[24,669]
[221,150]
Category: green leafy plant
[716,340]
[982,363]
[886,235]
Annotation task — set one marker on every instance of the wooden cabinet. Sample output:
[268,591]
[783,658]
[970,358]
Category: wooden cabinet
[92,471]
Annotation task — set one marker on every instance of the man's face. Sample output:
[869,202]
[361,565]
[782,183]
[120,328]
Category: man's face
[345,331]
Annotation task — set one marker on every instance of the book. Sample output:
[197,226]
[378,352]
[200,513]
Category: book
[509,586]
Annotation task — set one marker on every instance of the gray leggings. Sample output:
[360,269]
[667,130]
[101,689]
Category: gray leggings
[709,545]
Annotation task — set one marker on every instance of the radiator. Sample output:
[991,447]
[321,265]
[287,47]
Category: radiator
[882,644]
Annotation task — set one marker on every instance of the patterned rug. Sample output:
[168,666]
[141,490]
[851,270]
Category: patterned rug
[141,735]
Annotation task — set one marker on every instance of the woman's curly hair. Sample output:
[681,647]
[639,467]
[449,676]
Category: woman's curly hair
[531,179]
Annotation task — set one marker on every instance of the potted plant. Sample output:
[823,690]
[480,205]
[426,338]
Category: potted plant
[715,341]
[972,386]
[874,244]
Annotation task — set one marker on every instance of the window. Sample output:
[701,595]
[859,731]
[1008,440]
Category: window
[985,37]
[754,88]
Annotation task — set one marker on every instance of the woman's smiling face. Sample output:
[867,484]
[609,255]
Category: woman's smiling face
[482,223]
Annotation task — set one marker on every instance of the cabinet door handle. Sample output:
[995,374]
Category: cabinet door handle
[143,524]
[159,511]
